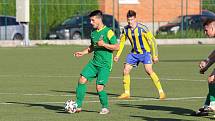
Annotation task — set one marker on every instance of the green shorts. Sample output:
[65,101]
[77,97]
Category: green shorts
[92,71]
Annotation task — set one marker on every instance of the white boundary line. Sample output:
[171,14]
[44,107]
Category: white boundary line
[133,99]
[97,101]
[70,76]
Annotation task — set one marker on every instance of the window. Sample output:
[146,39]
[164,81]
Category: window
[86,21]
[11,21]
[70,21]
[108,20]
[129,2]
[6,21]
[2,21]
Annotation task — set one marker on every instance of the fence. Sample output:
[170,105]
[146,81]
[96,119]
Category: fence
[46,16]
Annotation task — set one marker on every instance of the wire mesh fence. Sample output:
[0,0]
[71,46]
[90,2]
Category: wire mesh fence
[67,19]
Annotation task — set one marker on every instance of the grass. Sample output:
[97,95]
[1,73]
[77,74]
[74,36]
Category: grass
[35,82]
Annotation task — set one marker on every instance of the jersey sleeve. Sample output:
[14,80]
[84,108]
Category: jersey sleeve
[152,43]
[122,43]
[211,57]
[111,36]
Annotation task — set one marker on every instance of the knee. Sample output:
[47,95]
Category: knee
[126,71]
[149,71]
[82,80]
[99,88]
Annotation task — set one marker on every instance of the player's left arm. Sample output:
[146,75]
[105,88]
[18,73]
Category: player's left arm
[153,45]
[112,45]
[205,64]
[84,52]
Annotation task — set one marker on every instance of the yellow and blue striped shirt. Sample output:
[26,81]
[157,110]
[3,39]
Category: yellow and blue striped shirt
[141,40]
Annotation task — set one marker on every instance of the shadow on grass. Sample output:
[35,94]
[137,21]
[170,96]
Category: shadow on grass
[58,109]
[159,119]
[172,110]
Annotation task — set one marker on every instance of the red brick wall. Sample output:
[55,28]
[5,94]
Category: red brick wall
[164,10]
[107,7]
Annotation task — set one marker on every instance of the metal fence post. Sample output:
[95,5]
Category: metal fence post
[186,22]
[113,21]
[5,13]
[200,6]
[40,19]
[182,23]
[45,14]
[153,17]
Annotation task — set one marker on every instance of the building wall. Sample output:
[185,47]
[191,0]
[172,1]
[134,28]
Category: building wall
[164,10]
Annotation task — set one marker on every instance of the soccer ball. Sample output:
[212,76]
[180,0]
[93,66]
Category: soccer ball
[70,106]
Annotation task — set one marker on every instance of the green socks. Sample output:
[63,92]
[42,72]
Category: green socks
[212,92]
[207,101]
[80,94]
[103,97]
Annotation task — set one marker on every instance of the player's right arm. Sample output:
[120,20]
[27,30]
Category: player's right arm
[205,64]
[212,57]
[121,45]
[84,52]
[153,45]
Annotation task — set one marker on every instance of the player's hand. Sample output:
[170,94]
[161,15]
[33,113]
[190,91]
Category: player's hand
[78,54]
[155,60]
[202,71]
[202,66]
[116,58]
[100,43]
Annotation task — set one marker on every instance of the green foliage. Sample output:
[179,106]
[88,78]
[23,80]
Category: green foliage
[45,14]
[49,13]
[209,5]
[183,34]
[8,7]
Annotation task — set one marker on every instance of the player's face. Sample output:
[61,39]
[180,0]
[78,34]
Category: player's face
[210,30]
[94,20]
[131,21]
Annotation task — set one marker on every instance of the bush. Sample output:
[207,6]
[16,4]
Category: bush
[185,34]
[209,5]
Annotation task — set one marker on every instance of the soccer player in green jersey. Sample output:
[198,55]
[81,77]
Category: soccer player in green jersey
[144,50]
[209,104]
[103,43]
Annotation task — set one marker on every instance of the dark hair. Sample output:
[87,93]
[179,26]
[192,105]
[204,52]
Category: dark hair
[97,13]
[131,13]
[208,21]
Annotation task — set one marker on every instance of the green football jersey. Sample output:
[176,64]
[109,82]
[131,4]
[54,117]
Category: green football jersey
[102,56]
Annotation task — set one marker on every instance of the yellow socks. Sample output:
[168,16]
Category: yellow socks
[156,81]
[126,84]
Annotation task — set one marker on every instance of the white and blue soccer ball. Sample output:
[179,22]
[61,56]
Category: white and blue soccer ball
[70,106]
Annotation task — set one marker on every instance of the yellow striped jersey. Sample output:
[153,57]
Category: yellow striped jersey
[141,40]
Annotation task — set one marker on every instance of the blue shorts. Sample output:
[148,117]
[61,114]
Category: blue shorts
[135,59]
